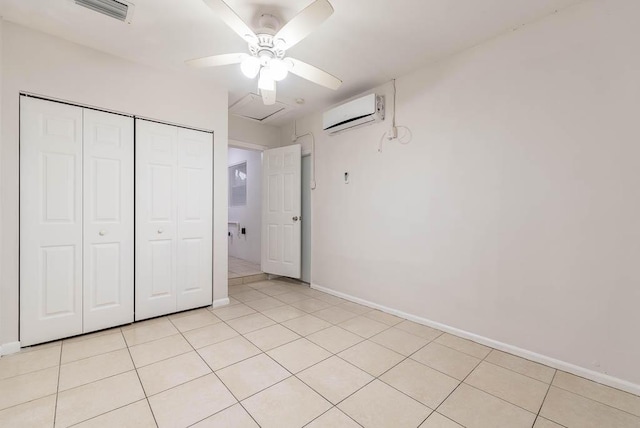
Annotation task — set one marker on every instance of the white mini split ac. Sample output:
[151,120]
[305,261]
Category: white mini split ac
[359,112]
[122,10]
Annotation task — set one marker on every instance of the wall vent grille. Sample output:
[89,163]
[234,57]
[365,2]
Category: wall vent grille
[113,8]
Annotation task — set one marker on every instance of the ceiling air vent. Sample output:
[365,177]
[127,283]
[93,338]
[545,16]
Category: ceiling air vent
[119,10]
[252,107]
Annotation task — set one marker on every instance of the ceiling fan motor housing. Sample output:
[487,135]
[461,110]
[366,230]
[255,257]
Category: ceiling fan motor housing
[268,24]
[266,46]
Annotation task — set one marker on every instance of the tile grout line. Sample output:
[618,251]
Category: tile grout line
[214,373]
[144,391]
[295,375]
[521,374]
[108,377]
[55,409]
[461,382]
[374,378]
[545,399]
[96,355]
[92,356]
[31,372]
[351,364]
[409,358]
[493,395]
[159,361]
[518,373]
[328,410]
[391,368]
[284,368]
[596,401]
[107,412]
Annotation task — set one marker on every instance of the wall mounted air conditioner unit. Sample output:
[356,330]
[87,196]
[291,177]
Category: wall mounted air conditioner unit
[122,10]
[359,112]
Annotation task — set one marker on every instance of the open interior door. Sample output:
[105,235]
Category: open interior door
[281,211]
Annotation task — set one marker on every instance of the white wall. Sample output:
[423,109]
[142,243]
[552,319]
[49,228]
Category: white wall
[513,213]
[45,65]
[248,247]
[248,131]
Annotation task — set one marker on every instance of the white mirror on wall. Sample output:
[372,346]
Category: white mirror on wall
[238,185]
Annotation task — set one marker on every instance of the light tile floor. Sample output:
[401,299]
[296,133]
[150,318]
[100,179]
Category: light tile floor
[239,268]
[284,355]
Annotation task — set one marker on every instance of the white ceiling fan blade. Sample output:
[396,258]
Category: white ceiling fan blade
[304,23]
[217,60]
[268,96]
[224,12]
[313,74]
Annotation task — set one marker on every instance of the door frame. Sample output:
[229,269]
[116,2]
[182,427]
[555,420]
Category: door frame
[308,154]
[244,145]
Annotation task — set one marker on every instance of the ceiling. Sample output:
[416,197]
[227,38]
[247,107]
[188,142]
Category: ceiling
[365,42]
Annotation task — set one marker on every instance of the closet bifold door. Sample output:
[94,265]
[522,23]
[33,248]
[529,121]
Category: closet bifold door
[156,218]
[50,220]
[195,219]
[108,220]
[174,214]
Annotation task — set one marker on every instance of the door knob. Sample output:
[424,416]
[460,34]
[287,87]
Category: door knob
[102,232]
[160,230]
[295,218]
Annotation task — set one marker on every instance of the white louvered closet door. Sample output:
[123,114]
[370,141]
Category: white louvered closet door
[50,221]
[108,220]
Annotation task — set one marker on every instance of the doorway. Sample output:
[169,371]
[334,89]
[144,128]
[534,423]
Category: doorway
[245,212]
[276,242]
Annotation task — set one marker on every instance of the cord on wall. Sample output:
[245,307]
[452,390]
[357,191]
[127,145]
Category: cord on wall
[295,137]
[393,134]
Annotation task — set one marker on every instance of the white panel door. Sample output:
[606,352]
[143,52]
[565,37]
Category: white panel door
[50,220]
[195,219]
[108,220]
[156,219]
[281,210]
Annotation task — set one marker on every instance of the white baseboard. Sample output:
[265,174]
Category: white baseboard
[602,378]
[220,302]
[9,348]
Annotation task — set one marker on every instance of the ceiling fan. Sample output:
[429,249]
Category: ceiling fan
[267,48]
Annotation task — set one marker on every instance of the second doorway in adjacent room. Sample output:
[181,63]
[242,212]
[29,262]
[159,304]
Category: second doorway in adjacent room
[245,205]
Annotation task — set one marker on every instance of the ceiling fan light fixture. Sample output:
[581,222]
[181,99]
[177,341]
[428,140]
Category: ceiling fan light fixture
[266,82]
[250,66]
[268,47]
[278,69]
